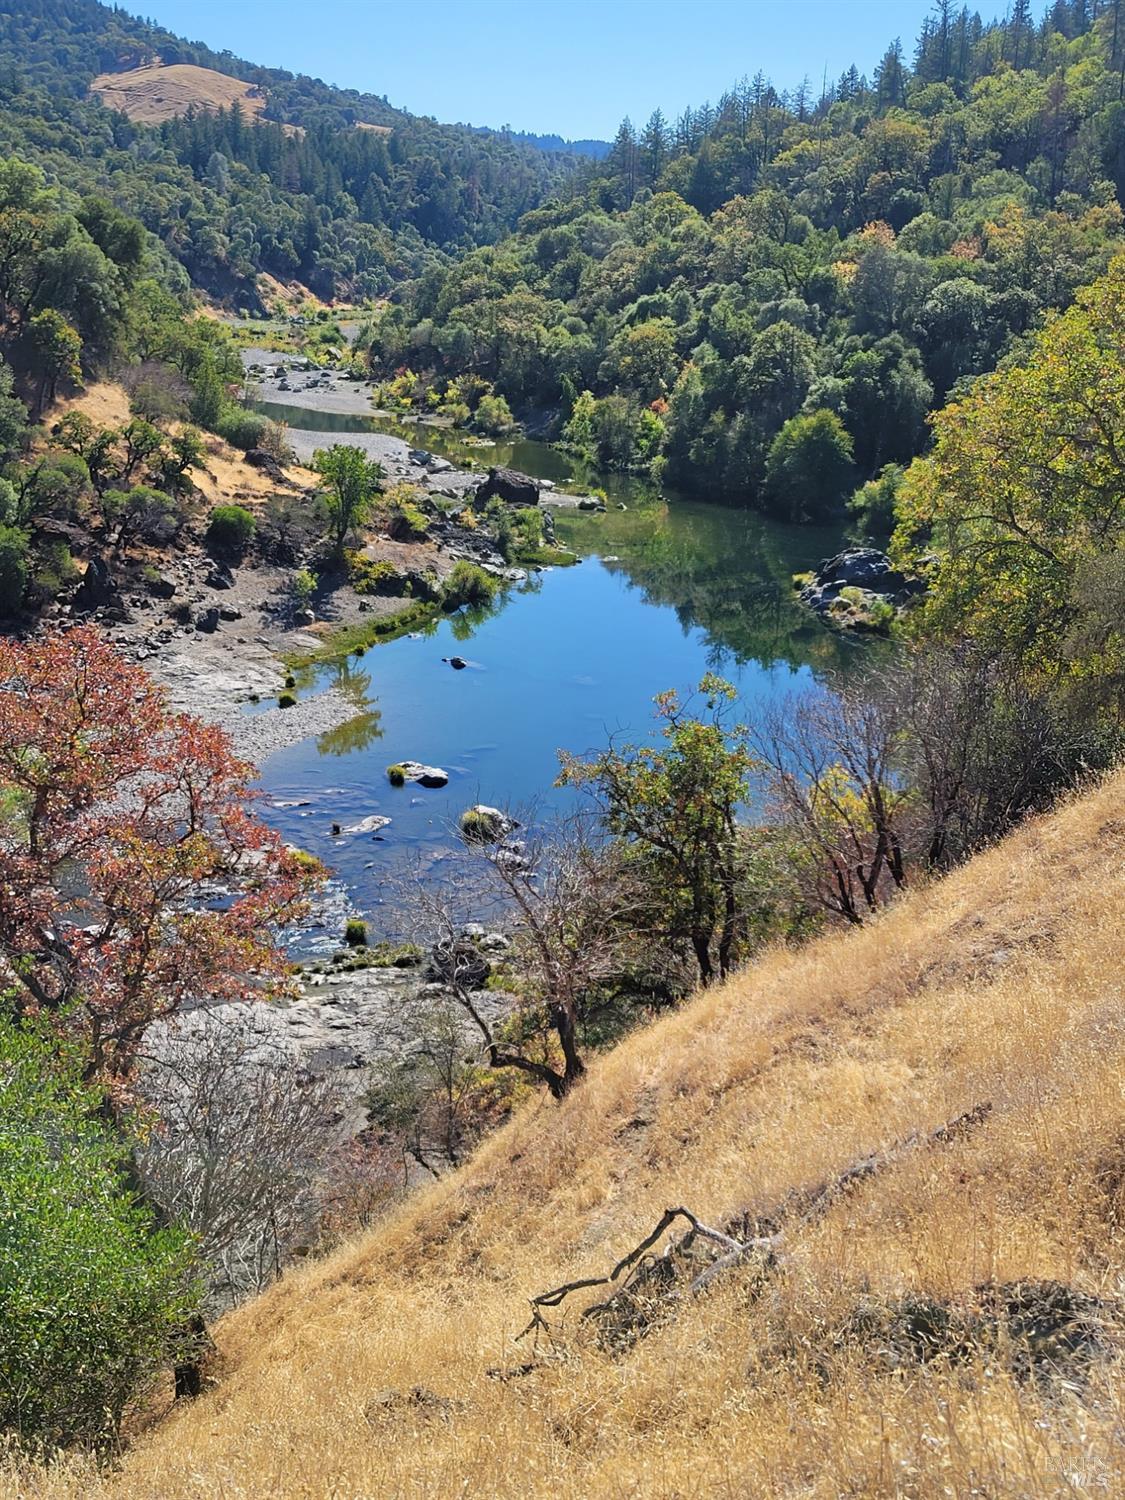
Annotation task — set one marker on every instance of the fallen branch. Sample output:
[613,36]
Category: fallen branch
[803,1209]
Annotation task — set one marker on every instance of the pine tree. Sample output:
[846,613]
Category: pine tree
[654,147]
[890,78]
[623,159]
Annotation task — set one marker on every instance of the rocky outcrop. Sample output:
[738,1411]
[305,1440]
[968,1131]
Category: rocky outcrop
[507,485]
[859,589]
[373,824]
[97,589]
[258,458]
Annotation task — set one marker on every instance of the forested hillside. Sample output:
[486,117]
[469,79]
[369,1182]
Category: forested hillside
[765,298]
[345,209]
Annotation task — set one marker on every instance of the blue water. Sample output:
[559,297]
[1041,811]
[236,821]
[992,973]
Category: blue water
[669,588]
[565,664]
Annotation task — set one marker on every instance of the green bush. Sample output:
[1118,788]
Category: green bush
[241,428]
[407,523]
[396,775]
[493,416]
[368,577]
[231,528]
[54,571]
[13,568]
[303,586]
[873,505]
[468,584]
[519,534]
[92,1296]
[355,933]
[286,700]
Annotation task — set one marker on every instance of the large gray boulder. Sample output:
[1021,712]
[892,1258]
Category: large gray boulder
[507,485]
[481,824]
[413,770]
[875,588]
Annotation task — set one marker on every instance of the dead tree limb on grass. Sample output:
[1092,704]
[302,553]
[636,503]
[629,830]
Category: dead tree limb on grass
[655,1283]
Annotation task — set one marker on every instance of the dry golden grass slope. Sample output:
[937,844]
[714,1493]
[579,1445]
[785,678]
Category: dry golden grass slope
[1002,984]
[155,92]
[223,476]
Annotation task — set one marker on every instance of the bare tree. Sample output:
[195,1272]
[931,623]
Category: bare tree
[828,760]
[568,899]
[423,1104]
[240,1135]
[983,742]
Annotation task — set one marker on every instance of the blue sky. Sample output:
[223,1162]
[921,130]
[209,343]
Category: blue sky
[575,67]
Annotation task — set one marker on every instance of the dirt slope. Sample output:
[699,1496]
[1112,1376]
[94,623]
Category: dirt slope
[1002,986]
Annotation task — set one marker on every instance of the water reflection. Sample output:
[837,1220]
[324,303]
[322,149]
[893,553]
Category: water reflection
[723,569]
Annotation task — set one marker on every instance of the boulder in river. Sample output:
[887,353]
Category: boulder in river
[413,770]
[373,824]
[481,824]
[508,485]
[859,589]
[458,663]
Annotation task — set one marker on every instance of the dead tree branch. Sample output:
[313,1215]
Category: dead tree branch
[796,1213]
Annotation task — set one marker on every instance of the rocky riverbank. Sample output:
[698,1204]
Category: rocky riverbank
[217,633]
[281,379]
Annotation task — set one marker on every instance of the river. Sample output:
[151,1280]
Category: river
[668,589]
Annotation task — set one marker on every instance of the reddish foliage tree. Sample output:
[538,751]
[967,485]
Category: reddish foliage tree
[116,816]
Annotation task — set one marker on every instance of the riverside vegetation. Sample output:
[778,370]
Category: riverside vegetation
[889,1117]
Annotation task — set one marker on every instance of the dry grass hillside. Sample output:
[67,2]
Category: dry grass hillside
[390,1368]
[224,474]
[157,92]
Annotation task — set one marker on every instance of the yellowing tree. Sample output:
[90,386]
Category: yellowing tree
[1025,488]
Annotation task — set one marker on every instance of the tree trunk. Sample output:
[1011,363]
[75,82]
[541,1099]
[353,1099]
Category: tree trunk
[701,946]
[563,1017]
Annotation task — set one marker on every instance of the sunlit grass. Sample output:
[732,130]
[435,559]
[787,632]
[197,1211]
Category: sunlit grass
[1001,985]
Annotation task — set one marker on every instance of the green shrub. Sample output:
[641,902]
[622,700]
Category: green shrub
[55,570]
[396,775]
[407,523]
[369,577]
[468,584]
[493,416]
[519,533]
[873,505]
[241,428]
[355,933]
[231,528]
[303,585]
[13,568]
[92,1296]
[286,700]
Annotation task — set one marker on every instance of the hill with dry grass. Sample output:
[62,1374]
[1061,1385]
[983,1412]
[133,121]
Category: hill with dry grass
[924,1312]
[155,92]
